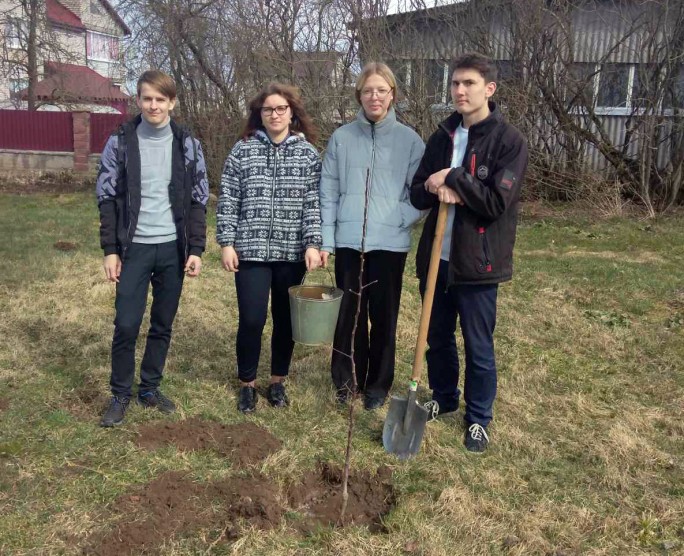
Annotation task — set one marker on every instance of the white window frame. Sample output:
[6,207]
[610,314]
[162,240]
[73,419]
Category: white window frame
[626,110]
[93,58]
[17,84]
[15,29]
[445,99]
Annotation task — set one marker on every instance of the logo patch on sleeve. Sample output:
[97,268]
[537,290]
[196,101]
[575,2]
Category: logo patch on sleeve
[508,180]
[482,172]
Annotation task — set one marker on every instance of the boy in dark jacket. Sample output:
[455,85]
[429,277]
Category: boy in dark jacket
[152,193]
[474,162]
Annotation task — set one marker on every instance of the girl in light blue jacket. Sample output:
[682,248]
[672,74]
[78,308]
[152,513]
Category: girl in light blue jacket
[374,156]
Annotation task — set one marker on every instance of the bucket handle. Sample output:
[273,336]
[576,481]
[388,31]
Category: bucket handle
[332,280]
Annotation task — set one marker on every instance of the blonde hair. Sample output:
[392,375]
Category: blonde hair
[159,80]
[375,68]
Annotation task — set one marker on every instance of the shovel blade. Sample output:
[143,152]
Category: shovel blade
[402,441]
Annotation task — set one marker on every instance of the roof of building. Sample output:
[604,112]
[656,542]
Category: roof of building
[61,15]
[112,12]
[71,83]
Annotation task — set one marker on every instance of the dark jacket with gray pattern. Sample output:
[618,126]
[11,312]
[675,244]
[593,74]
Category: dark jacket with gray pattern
[268,207]
[119,195]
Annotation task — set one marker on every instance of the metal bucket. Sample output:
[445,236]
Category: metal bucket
[313,312]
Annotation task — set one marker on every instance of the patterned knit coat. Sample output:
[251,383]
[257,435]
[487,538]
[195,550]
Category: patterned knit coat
[268,207]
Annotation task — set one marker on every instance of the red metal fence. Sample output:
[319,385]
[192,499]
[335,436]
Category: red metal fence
[52,131]
[101,127]
[36,131]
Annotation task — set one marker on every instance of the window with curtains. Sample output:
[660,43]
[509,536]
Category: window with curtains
[101,47]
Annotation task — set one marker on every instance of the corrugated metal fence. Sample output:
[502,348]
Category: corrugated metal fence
[36,131]
[52,131]
[101,127]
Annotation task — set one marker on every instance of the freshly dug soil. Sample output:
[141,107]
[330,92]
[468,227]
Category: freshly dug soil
[243,444]
[62,245]
[173,505]
[319,498]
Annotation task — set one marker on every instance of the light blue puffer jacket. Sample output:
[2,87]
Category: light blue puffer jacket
[389,152]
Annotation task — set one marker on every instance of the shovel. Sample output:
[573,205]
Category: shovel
[406,419]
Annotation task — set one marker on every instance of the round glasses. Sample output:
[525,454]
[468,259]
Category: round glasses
[381,94]
[280,110]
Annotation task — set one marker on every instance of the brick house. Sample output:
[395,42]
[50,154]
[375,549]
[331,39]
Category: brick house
[78,54]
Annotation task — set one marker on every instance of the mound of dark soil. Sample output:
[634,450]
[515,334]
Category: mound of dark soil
[174,505]
[245,443]
[66,246]
[319,497]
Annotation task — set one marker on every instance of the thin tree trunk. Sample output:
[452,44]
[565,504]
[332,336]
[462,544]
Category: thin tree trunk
[359,294]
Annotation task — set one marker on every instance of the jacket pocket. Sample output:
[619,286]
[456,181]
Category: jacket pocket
[350,208]
[484,264]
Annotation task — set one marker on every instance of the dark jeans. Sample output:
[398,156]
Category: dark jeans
[253,282]
[162,266]
[476,307]
[374,353]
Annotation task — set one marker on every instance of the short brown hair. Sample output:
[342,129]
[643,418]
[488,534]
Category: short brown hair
[475,61]
[301,122]
[159,80]
[375,68]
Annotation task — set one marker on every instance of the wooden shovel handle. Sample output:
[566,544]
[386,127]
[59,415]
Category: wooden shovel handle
[429,292]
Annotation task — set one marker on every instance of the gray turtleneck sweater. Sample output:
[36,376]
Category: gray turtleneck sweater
[155,221]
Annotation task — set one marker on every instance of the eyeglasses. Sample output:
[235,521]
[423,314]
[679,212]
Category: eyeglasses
[379,93]
[280,110]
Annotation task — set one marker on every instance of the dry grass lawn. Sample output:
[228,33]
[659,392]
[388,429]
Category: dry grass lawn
[587,443]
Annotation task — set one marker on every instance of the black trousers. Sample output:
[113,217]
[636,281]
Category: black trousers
[253,282]
[160,265]
[373,353]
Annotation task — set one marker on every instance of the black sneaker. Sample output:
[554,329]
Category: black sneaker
[154,398]
[371,403]
[342,396]
[476,439]
[115,412]
[276,395]
[247,399]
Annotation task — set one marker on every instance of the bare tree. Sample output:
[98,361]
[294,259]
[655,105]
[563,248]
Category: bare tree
[594,85]
[29,40]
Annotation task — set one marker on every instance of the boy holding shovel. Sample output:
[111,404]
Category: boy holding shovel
[475,163]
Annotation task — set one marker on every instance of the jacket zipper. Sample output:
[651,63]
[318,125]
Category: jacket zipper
[481,229]
[270,227]
[186,247]
[128,196]
[369,186]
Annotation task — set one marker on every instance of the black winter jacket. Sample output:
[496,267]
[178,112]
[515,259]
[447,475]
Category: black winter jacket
[119,198]
[488,182]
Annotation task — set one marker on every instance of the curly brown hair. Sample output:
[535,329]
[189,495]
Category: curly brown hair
[301,122]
